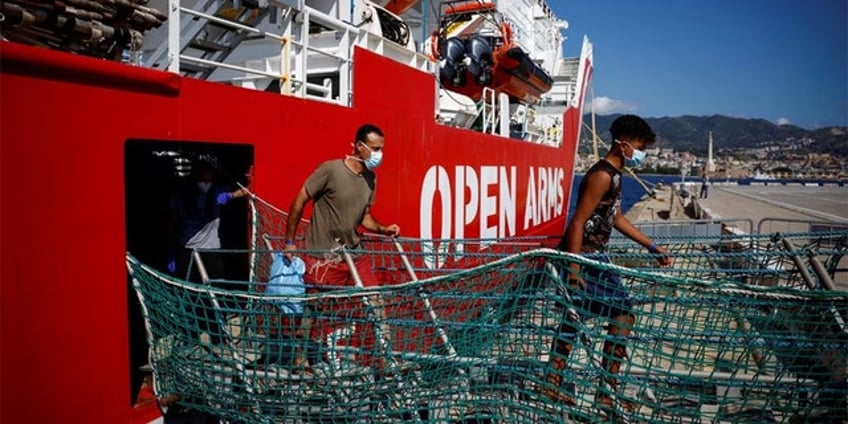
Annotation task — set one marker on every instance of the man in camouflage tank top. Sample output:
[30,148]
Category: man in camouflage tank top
[597,293]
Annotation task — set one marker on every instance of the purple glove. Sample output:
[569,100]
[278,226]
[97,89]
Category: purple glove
[172,266]
[223,198]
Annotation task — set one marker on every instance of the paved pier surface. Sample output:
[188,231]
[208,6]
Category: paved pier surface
[780,206]
[766,209]
[801,203]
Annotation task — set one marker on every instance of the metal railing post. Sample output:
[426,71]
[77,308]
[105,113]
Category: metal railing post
[285,65]
[174,36]
[345,85]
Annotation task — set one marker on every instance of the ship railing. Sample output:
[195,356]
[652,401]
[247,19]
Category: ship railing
[532,21]
[494,110]
[294,48]
[805,260]
[691,227]
[548,133]
[473,336]
[311,42]
[814,248]
[771,225]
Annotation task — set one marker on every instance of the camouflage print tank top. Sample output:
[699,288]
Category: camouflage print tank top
[597,229]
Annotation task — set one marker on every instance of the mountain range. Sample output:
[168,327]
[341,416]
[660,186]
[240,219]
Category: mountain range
[690,133]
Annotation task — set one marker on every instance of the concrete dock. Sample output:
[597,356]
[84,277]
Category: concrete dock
[751,209]
[767,208]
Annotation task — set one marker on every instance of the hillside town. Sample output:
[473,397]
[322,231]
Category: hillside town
[778,161]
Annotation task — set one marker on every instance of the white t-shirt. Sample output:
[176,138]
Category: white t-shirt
[207,237]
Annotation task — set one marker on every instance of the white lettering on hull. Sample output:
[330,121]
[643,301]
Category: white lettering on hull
[487,195]
[545,196]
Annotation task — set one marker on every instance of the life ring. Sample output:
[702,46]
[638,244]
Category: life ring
[506,33]
[434,45]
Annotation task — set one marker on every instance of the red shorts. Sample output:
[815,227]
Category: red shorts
[346,314]
[335,272]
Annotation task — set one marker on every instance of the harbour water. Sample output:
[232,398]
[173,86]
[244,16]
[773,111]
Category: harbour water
[631,190]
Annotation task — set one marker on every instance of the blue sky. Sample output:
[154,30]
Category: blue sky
[785,61]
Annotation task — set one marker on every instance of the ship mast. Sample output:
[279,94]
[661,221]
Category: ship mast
[594,129]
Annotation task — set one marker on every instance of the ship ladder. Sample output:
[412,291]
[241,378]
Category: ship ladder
[211,31]
[493,111]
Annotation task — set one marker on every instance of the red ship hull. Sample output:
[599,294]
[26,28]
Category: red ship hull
[68,124]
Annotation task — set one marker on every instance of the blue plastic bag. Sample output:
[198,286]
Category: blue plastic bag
[287,279]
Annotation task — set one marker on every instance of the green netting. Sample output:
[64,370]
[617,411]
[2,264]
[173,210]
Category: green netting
[739,330]
[811,260]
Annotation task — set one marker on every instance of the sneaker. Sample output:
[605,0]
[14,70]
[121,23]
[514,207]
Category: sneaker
[558,396]
[554,391]
[606,404]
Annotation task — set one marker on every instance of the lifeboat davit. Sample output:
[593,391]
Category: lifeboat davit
[476,49]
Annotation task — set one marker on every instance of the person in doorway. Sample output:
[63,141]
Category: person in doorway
[705,186]
[195,218]
[195,214]
[342,193]
[594,293]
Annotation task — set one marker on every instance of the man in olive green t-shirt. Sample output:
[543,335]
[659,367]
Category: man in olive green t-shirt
[342,192]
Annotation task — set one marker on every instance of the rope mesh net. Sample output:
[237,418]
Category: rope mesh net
[741,329]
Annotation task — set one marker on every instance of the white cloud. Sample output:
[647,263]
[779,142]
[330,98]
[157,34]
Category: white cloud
[782,121]
[608,106]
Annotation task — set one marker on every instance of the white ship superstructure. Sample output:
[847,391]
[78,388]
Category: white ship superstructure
[317,38]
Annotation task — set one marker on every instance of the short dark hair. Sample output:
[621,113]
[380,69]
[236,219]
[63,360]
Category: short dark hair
[632,127]
[363,131]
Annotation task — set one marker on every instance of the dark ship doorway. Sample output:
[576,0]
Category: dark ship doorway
[154,169]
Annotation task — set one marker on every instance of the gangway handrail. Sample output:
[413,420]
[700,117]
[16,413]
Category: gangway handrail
[728,225]
[762,222]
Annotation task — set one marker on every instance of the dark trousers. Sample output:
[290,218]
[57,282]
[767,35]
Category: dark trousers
[179,415]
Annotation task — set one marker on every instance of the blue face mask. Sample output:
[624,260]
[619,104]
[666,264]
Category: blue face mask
[204,186]
[637,158]
[374,160]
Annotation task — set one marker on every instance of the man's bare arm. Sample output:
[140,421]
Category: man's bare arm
[371,224]
[627,228]
[295,213]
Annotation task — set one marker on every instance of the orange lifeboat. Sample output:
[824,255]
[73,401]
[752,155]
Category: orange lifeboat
[473,55]
[399,6]
[468,6]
